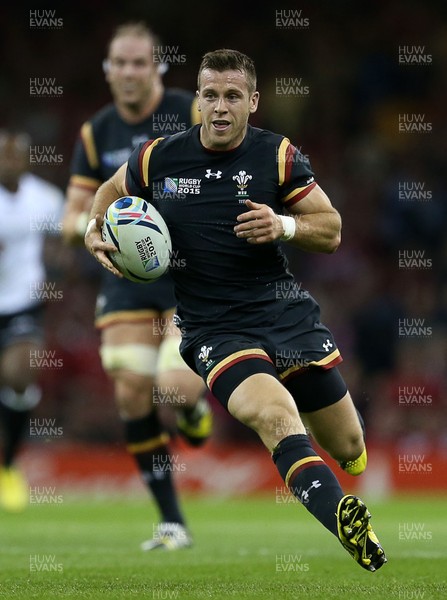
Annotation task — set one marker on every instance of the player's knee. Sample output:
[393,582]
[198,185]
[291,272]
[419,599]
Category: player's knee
[132,367]
[263,404]
[21,399]
[17,375]
[17,385]
[269,421]
[138,359]
[278,422]
[180,388]
[169,357]
[176,382]
[133,394]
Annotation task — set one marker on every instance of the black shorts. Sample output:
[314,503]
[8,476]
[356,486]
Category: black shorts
[123,300]
[288,348]
[25,325]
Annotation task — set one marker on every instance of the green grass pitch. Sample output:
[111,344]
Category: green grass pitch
[244,548]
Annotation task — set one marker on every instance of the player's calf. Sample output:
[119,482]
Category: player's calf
[357,464]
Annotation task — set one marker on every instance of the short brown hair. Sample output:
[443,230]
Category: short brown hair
[135,29]
[229,60]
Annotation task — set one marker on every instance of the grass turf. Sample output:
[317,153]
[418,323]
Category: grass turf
[244,548]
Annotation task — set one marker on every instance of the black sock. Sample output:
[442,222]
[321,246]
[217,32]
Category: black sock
[146,441]
[309,478]
[14,424]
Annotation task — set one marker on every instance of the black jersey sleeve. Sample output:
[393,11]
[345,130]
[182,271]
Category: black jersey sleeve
[84,167]
[138,169]
[295,176]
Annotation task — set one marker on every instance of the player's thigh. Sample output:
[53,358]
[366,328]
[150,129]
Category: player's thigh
[16,362]
[337,429]
[175,380]
[261,402]
[129,354]
[242,377]
[130,348]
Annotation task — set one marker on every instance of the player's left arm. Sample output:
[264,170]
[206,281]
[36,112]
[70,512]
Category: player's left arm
[313,224]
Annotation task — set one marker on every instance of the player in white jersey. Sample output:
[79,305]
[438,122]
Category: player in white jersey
[30,208]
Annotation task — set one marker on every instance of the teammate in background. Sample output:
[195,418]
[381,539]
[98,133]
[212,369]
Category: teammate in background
[261,349]
[31,207]
[139,342]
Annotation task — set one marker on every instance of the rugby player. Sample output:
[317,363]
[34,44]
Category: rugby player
[253,190]
[31,209]
[139,342]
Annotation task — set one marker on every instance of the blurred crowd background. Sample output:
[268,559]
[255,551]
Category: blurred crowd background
[339,79]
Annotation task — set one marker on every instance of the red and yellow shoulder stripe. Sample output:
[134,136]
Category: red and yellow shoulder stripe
[297,194]
[286,156]
[88,140]
[144,158]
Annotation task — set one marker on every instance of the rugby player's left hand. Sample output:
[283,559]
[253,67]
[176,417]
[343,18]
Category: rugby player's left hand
[259,225]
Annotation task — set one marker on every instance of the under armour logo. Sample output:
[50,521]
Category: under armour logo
[327,344]
[210,174]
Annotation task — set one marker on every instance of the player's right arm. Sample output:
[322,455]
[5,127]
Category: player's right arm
[132,178]
[76,213]
[107,193]
[85,179]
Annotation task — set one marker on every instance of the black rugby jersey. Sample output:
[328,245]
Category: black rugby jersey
[221,280]
[106,141]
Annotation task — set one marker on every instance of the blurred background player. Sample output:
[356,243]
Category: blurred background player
[31,207]
[139,342]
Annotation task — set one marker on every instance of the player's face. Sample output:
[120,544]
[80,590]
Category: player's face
[131,70]
[225,104]
[14,158]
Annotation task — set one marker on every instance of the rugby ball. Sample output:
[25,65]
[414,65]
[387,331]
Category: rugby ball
[140,234]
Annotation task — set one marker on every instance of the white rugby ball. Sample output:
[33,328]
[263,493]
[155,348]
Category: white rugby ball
[140,234]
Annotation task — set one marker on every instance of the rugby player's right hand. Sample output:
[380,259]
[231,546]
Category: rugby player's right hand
[97,248]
